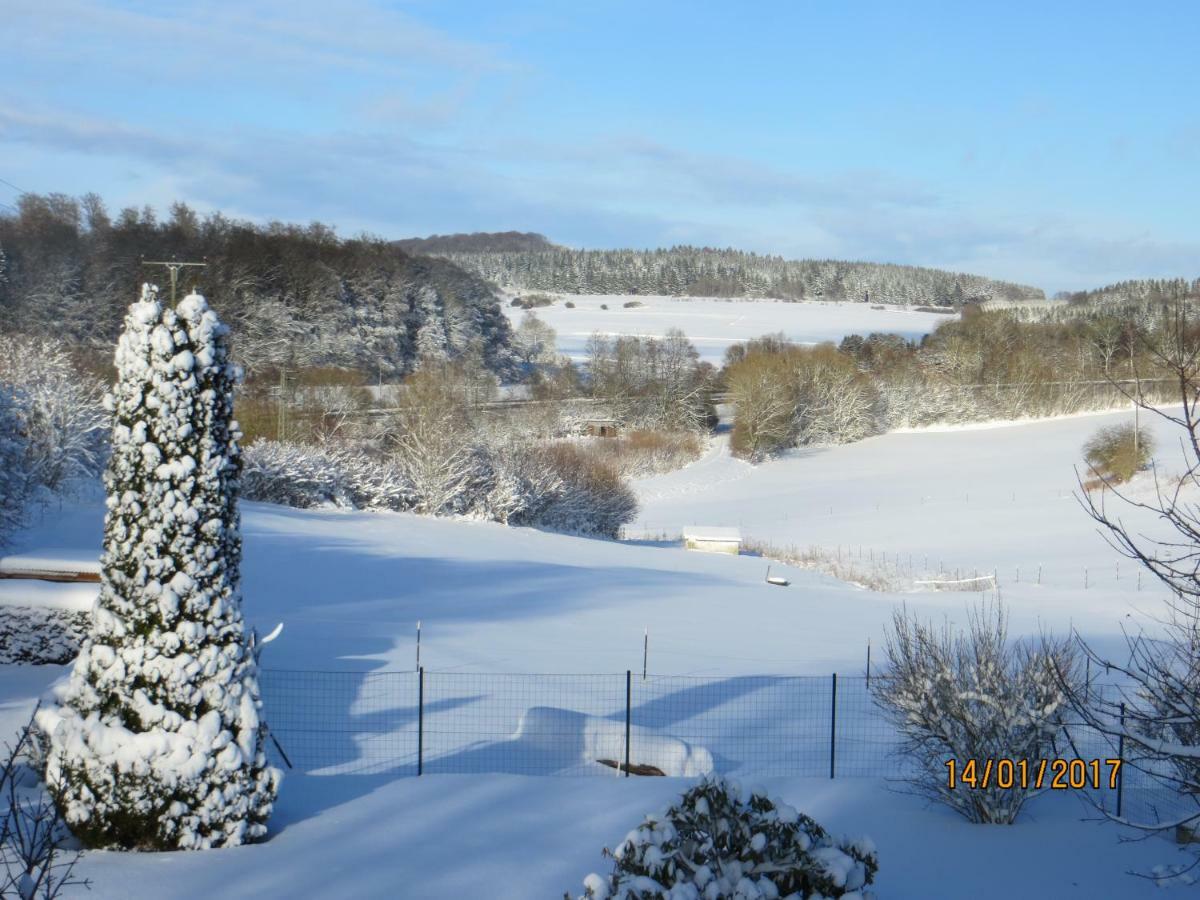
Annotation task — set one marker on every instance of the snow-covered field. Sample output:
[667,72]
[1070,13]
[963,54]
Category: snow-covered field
[714,325]
[974,500]
[350,587]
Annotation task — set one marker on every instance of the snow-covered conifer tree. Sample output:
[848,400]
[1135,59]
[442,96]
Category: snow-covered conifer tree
[157,742]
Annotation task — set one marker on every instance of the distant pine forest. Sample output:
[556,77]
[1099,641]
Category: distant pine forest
[707,272]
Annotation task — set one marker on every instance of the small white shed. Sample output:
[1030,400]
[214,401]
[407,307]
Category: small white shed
[712,539]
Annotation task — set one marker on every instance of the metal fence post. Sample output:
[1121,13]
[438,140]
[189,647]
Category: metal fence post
[628,715]
[1121,758]
[833,729]
[420,720]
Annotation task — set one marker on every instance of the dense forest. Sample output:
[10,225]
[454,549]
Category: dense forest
[1147,290]
[478,242]
[706,272]
[1142,302]
[295,295]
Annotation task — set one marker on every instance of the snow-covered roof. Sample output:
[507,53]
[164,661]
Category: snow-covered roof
[711,533]
[51,561]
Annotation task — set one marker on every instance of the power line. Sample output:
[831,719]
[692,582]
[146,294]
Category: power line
[173,266]
[14,187]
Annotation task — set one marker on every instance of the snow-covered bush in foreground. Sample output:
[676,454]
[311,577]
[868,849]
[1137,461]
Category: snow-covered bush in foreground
[156,741]
[974,696]
[720,842]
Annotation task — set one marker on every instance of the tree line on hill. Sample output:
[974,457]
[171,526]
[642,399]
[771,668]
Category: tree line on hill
[709,272]
[1147,302]
[478,242]
[988,365]
[296,296]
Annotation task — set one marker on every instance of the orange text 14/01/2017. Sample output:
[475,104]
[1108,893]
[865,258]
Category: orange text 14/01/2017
[1024,774]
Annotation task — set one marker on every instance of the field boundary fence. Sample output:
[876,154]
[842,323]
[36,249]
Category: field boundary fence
[422,722]
[899,571]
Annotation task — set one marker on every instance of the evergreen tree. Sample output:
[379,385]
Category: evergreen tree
[157,741]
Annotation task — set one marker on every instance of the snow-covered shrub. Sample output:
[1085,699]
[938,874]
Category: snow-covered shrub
[59,407]
[1118,452]
[589,497]
[558,487]
[645,451]
[974,696]
[39,635]
[314,475]
[720,842]
[376,482]
[299,475]
[156,741]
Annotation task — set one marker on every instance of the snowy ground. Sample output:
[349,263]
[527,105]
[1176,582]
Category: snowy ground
[351,586]
[980,499]
[714,325]
[504,837]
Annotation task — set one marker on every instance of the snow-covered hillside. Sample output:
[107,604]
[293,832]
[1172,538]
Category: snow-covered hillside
[714,325]
[350,587]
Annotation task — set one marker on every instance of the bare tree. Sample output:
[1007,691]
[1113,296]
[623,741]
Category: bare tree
[433,435]
[958,697]
[1106,334]
[33,865]
[533,341]
[766,405]
[1156,713]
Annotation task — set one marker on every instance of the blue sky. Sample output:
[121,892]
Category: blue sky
[1054,143]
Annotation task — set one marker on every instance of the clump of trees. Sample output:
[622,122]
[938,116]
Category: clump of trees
[988,365]
[52,426]
[787,395]
[974,695]
[720,840]
[437,453]
[655,383]
[297,296]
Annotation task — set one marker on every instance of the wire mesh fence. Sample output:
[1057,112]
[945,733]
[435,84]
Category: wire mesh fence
[750,726]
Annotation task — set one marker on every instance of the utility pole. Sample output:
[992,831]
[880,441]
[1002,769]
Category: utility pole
[281,432]
[173,266]
[1137,401]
